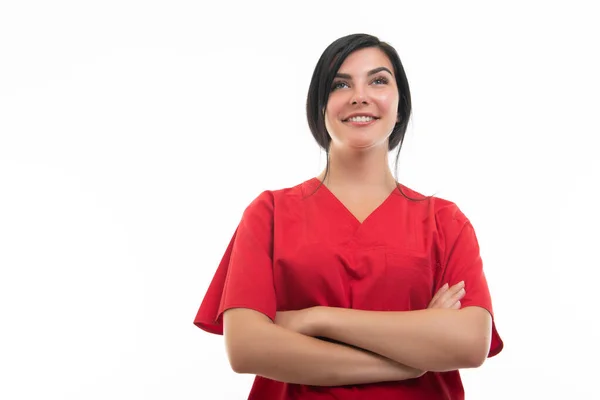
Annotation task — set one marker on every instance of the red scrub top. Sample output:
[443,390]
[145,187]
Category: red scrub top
[294,250]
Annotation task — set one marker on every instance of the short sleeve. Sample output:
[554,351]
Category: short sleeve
[462,262]
[244,277]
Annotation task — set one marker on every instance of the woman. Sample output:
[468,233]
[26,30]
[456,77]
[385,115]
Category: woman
[350,285]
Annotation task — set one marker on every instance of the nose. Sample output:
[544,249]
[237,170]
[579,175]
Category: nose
[359,96]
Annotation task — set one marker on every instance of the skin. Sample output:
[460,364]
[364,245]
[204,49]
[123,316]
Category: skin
[441,338]
[283,352]
[359,155]
[307,321]
[360,177]
[371,346]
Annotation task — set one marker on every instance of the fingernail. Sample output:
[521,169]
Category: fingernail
[445,286]
[462,283]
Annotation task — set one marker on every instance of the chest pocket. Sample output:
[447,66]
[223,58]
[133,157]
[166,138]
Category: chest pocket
[409,279]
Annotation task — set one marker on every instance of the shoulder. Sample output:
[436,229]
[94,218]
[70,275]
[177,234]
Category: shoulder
[273,200]
[450,219]
[447,224]
[443,213]
[452,225]
[439,207]
[449,212]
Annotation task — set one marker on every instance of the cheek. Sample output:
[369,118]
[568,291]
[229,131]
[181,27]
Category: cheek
[334,106]
[332,112]
[331,128]
[388,102]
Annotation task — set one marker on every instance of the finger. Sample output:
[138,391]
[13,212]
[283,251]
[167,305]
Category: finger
[456,288]
[448,297]
[456,306]
[443,299]
[441,290]
[455,297]
[439,293]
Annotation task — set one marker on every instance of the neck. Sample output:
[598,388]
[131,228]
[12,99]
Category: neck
[361,170]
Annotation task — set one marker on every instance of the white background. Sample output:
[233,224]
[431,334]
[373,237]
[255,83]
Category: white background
[134,133]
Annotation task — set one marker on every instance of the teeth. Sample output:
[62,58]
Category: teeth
[360,119]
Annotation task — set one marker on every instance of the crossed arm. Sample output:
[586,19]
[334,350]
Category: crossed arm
[428,340]
[255,345]
[376,346]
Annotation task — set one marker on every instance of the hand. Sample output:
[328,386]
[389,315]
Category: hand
[302,321]
[448,297]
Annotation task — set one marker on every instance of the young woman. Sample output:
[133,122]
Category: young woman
[351,285]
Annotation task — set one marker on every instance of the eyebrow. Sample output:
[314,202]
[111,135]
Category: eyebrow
[371,72]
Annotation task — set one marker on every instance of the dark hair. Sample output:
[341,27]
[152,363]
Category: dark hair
[322,79]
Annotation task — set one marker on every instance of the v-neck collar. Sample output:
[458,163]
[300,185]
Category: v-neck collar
[315,182]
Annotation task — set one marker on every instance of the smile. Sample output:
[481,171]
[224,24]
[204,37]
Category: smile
[360,121]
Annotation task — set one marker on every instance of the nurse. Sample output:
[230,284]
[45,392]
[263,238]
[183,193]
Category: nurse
[351,285]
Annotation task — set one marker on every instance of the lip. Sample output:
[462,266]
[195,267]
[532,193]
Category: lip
[361,114]
[360,123]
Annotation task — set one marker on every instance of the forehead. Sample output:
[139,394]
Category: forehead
[363,60]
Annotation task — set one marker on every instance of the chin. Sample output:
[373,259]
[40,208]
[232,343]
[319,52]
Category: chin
[358,145]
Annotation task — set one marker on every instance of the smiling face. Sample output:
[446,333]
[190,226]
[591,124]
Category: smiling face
[363,105]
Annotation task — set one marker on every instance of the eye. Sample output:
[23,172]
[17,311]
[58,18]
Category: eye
[337,85]
[381,79]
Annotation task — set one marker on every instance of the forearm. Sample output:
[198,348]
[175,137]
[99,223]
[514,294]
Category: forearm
[277,353]
[429,340]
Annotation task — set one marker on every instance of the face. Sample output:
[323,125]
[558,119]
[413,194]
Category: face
[364,86]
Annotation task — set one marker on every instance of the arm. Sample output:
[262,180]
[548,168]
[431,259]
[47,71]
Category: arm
[255,345]
[429,340]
